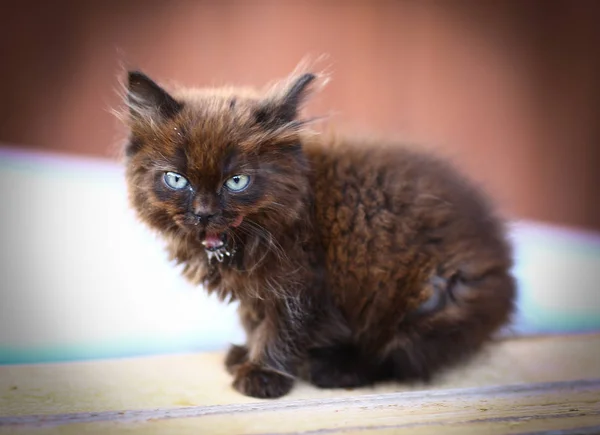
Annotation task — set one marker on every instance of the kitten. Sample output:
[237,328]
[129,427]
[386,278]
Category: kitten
[352,261]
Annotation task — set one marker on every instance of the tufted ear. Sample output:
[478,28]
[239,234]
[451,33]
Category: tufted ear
[148,100]
[283,108]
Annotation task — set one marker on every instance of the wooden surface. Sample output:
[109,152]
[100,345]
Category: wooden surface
[517,386]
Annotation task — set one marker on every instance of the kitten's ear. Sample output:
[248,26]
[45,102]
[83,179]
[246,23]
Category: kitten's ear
[283,108]
[146,99]
[294,96]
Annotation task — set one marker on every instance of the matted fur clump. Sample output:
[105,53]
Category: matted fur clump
[352,261]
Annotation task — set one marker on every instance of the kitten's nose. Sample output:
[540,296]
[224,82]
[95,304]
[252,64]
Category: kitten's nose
[204,213]
[204,217]
[204,208]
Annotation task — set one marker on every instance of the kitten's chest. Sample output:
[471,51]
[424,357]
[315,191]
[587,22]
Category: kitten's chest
[240,284]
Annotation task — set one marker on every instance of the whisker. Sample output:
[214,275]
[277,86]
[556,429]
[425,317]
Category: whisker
[272,242]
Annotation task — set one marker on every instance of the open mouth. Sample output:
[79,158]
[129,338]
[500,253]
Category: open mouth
[214,241]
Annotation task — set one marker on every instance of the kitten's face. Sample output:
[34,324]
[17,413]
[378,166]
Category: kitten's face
[213,165]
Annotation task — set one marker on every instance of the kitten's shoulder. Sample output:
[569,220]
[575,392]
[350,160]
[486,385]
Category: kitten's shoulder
[408,173]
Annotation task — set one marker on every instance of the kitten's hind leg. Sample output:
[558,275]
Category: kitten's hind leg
[471,311]
[340,366]
[440,295]
[236,356]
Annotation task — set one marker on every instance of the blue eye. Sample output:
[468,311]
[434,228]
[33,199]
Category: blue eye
[237,183]
[175,180]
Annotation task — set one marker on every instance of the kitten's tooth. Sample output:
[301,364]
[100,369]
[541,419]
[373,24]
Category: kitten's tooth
[212,241]
[212,245]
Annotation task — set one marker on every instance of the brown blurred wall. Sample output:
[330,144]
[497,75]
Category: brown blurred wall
[509,89]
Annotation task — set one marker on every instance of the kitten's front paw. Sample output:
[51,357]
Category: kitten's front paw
[256,381]
[236,356]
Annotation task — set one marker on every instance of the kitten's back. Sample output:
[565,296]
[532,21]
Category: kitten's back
[391,216]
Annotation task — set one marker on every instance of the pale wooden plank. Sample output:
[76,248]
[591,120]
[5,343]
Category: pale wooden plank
[199,379]
[503,409]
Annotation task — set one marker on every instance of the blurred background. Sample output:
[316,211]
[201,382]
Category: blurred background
[510,90]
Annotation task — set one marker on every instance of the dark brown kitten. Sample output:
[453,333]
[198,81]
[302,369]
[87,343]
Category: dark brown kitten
[352,261]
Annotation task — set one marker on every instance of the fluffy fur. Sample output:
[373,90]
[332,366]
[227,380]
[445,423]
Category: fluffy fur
[352,261]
